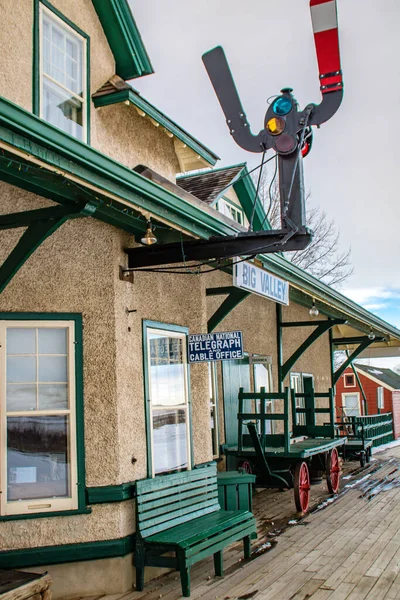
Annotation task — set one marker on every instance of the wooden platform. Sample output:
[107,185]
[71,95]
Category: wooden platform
[347,549]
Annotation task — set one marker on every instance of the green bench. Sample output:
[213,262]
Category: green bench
[180,513]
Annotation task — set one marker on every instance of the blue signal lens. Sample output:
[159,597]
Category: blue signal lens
[282,106]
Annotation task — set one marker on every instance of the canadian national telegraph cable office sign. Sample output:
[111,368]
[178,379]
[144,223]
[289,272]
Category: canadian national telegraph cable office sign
[253,279]
[205,347]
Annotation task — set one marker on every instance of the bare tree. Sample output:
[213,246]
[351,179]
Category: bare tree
[322,257]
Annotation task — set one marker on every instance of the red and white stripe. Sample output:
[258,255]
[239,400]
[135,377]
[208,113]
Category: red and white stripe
[326,35]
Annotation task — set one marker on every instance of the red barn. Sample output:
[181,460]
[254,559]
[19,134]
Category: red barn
[379,389]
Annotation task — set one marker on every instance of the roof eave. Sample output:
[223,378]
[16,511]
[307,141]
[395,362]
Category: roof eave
[124,39]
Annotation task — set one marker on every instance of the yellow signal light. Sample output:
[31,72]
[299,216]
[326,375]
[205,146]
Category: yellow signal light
[275,126]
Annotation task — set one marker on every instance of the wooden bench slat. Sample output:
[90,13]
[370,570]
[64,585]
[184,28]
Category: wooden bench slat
[186,535]
[148,531]
[212,545]
[166,481]
[185,491]
[173,489]
[160,507]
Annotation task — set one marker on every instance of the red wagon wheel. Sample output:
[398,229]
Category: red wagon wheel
[333,471]
[301,486]
[245,466]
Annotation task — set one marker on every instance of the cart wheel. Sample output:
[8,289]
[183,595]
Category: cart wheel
[333,471]
[245,466]
[362,459]
[301,486]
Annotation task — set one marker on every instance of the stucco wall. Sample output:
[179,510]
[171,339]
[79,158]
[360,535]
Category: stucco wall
[117,131]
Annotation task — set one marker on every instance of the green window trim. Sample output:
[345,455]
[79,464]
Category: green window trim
[36,61]
[175,329]
[79,407]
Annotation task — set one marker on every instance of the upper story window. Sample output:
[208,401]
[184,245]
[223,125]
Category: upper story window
[231,210]
[349,380]
[63,89]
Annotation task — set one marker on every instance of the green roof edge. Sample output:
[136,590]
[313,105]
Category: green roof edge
[159,117]
[123,36]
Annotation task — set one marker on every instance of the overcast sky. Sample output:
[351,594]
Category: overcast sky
[353,169]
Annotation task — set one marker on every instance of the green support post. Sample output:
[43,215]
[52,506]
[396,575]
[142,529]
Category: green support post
[363,342]
[279,345]
[235,297]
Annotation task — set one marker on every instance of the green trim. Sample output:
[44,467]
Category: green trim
[155,114]
[111,493]
[235,297]
[36,59]
[246,192]
[279,347]
[176,329]
[123,38]
[42,223]
[25,131]
[53,555]
[40,139]
[319,330]
[364,343]
[60,513]
[79,399]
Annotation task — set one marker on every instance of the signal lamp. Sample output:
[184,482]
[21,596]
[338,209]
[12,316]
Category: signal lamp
[285,143]
[275,126]
[282,106]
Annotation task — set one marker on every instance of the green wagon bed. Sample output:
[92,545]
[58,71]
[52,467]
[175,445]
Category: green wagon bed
[297,452]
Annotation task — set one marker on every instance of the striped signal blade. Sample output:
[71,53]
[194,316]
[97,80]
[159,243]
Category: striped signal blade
[326,36]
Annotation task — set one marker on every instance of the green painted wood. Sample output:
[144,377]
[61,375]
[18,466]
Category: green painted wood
[222,539]
[58,554]
[235,375]
[320,330]
[110,493]
[363,345]
[124,38]
[37,232]
[186,489]
[189,534]
[184,499]
[234,299]
[183,510]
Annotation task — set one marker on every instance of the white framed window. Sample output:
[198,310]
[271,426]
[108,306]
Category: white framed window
[231,210]
[63,93]
[38,417]
[351,404]
[349,380]
[168,417]
[213,392]
[262,372]
[380,398]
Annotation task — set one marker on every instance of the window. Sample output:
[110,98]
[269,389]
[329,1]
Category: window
[349,380]
[213,390]
[351,405]
[296,384]
[167,394]
[263,378]
[379,398]
[231,210]
[38,408]
[63,64]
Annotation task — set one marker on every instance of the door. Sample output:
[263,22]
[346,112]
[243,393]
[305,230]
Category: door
[263,378]
[235,374]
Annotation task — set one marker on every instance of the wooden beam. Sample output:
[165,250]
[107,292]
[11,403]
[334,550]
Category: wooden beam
[363,345]
[235,297]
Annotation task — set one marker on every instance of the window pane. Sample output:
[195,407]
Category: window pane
[53,396]
[62,110]
[21,397]
[170,440]
[21,369]
[38,462]
[52,368]
[167,370]
[52,341]
[351,405]
[21,340]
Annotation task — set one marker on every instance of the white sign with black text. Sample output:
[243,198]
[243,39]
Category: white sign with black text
[253,279]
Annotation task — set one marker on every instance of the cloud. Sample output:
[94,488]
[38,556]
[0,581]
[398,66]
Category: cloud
[370,295]
[375,306]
